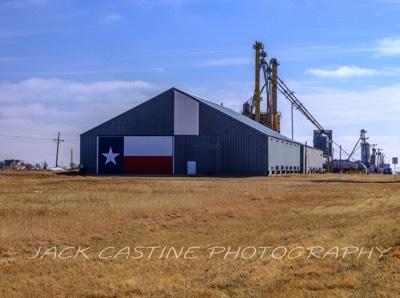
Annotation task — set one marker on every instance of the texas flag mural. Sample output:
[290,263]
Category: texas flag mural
[135,155]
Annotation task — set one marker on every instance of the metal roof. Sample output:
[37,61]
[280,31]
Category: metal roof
[243,119]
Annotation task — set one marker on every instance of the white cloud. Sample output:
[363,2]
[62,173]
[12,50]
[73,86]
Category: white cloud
[226,62]
[341,72]
[345,112]
[348,71]
[27,3]
[40,108]
[388,47]
[384,47]
[349,108]
[81,71]
[57,91]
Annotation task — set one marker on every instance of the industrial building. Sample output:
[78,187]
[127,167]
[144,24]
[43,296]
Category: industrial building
[177,133]
[323,140]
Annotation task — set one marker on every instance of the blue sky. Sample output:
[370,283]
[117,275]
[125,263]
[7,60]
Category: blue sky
[68,65]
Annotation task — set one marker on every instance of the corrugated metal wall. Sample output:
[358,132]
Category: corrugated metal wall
[315,159]
[222,155]
[215,123]
[152,118]
[225,146]
[88,153]
[186,115]
[284,156]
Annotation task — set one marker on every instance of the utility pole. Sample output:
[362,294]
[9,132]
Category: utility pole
[58,141]
[305,158]
[340,163]
[292,123]
[71,164]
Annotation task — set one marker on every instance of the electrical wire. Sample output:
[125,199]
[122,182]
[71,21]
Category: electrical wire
[23,137]
[33,138]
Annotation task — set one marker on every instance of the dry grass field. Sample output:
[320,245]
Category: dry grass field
[285,236]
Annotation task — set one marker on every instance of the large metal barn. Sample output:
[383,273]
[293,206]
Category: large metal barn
[177,133]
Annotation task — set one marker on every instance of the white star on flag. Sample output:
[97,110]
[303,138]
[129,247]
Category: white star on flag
[110,156]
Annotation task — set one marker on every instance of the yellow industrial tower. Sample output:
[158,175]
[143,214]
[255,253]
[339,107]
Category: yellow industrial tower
[252,108]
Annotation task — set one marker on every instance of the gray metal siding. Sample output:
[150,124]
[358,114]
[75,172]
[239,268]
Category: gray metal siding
[89,153]
[284,156]
[222,155]
[315,159]
[151,118]
[186,115]
[239,118]
[213,122]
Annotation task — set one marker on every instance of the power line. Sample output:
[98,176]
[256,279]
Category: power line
[33,138]
[23,137]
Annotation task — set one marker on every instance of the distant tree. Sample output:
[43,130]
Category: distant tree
[45,166]
[1,164]
[37,166]
[28,166]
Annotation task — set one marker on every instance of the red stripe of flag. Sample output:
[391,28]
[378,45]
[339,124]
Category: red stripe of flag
[157,165]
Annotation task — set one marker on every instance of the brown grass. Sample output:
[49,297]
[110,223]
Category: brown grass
[303,213]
